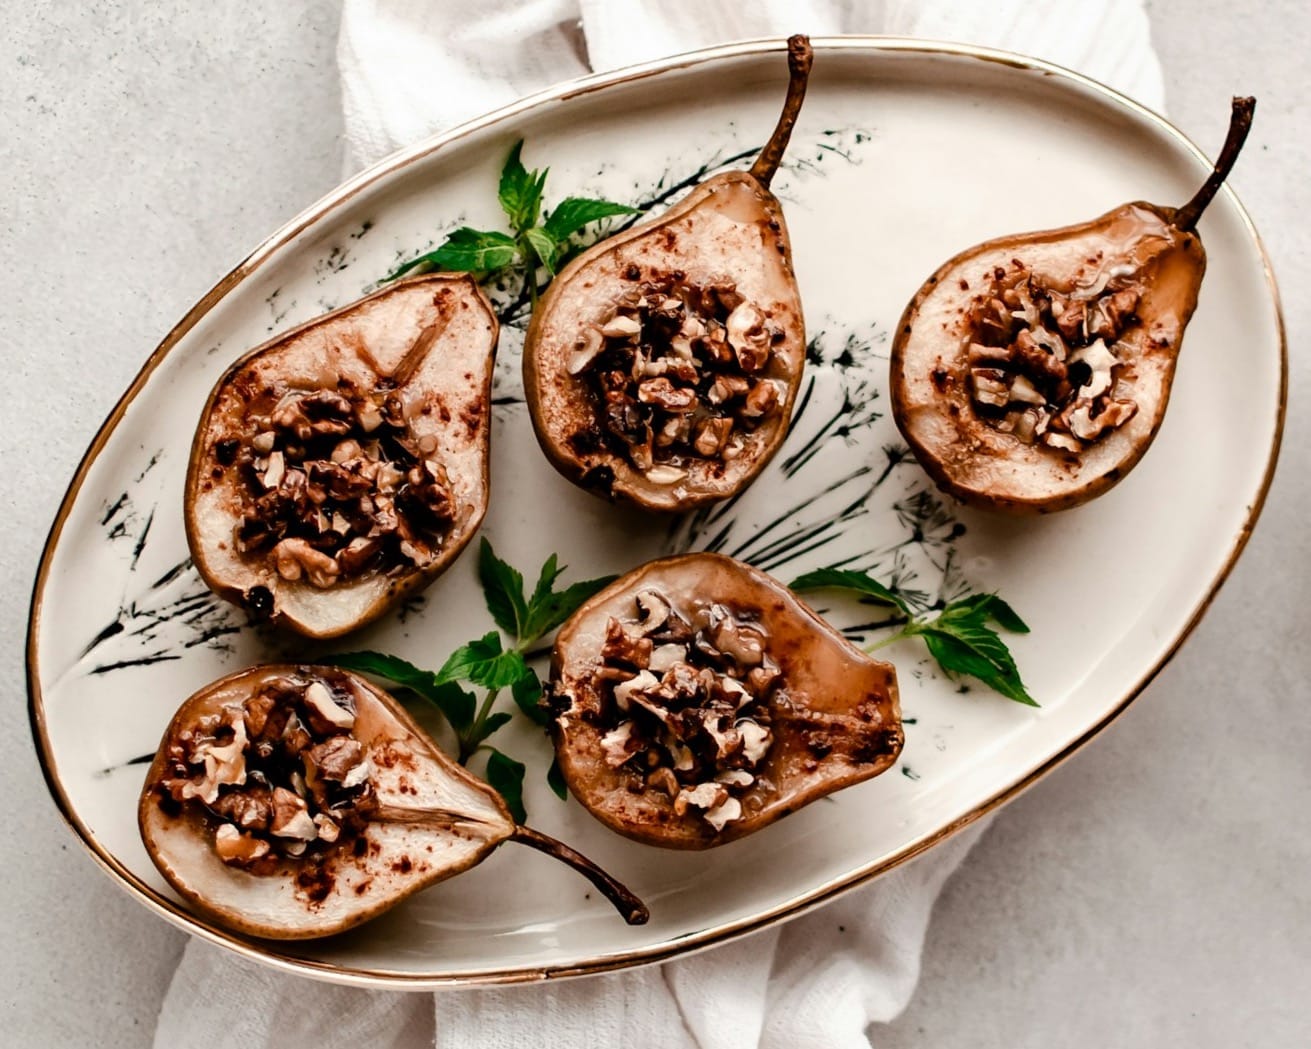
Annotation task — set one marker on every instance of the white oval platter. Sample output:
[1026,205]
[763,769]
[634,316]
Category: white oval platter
[905,154]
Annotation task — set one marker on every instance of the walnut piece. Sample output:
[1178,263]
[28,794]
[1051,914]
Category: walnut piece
[679,373]
[334,486]
[281,773]
[1042,363]
[689,703]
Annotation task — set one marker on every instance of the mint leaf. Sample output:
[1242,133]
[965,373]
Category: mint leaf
[547,612]
[484,663]
[520,191]
[393,668]
[551,571]
[456,705]
[846,579]
[543,246]
[573,213]
[555,780]
[964,644]
[506,777]
[959,637]
[475,250]
[502,590]
[527,694]
[423,264]
[990,606]
[493,722]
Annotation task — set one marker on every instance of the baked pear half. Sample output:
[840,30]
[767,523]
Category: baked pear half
[1031,373]
[342,466]
[295,802]
[696,700]
[662,364]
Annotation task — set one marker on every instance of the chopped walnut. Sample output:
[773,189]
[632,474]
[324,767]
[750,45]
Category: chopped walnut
[724,813]
[291,816]
[664,394]
[334,486]
[749,336]
[238,849]
[690,703]
[702,796]
[1042,363]
[589,346]
[249,810]
[215,764]
[246,769]
[663,778]
[618,745]
[713,436]
[678,372]
[335,758]
[621,646]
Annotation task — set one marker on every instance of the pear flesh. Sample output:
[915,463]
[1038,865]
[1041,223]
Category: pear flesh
[342,466]
[420,818]
[1032,372]
[697,700]
[638,389]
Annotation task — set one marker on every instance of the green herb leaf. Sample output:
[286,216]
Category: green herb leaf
[506,777]
[493,722]
[527,694]
[990,606]
[543,247]
[534,243]
[964,644]
[502,590]
[393,668]
[520,191]
[475,250]
[551,571]
[484,663]
[456,705]
[846,579]
[959,637]
[573,213]
[423,264]
[547,612]
[555,780]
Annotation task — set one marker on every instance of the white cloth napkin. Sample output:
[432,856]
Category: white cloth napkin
[413,67]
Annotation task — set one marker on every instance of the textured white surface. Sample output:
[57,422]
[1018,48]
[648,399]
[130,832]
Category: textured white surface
[1150,892]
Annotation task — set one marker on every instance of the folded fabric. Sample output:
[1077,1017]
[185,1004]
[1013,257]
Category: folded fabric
[410,68]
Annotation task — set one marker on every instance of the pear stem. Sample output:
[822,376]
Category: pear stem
[800,57]
[1240,123]
[630,908]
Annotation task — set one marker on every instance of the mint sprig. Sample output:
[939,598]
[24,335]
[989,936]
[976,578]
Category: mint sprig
[960,636]
[520,191]
[488,662]
[536,241]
